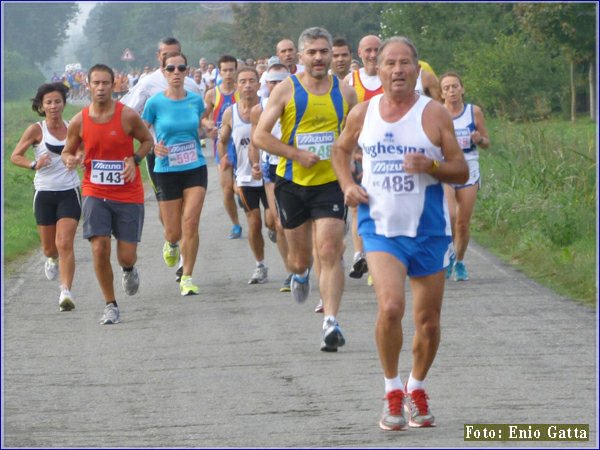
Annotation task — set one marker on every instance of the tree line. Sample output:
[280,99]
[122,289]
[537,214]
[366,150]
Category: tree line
[520,60]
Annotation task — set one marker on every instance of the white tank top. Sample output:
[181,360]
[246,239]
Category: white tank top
[419,86]
[266,156]
[55,176]
[400,204]
[240,134]
[464,125]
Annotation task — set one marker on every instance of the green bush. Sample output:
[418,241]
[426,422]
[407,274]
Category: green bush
[21,77]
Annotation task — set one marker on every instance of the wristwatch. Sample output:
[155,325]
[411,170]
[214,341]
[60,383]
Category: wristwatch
[33,165]
[435,165]
[137,159]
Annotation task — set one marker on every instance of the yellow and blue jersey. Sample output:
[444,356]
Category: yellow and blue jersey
[312,122]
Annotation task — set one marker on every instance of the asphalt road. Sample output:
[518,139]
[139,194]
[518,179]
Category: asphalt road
[240,366]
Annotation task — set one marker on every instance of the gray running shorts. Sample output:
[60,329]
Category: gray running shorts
[103,217]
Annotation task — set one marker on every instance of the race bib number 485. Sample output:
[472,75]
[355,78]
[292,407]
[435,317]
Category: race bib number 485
[389,176]
[317,143]
[107,172]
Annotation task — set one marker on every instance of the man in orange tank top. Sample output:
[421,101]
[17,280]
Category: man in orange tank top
[113,194]
[367,84]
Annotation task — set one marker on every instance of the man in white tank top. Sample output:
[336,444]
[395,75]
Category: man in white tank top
[236,126]
[409,149]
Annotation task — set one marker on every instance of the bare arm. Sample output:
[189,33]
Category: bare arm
[31,136]
[71,155]
[342,153]
[480,135]
[439,128]
[263,137]
[224,136]
[253,150]
[431,85]
[206,120]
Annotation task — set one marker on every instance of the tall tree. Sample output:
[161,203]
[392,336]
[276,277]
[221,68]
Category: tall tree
[288,20]
[439,30]
[570,27]
[37,30]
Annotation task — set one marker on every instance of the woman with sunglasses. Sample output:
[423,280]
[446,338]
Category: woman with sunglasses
[56,201]
[180,167]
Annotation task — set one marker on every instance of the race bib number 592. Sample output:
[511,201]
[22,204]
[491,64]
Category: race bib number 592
[107,172]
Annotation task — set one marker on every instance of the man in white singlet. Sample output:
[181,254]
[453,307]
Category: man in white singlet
[236,127]
[403,218]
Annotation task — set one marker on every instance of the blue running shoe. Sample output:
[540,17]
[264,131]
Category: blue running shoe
[300,287]
[236,232]
[450,266]
[460,271]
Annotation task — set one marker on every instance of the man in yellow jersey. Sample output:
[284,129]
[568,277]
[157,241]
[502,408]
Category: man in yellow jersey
[312,107]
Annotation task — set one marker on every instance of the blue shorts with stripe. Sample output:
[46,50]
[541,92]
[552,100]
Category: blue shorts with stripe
[421,255]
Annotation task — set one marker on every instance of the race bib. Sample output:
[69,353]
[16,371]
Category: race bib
[182,154]
[107,172]
[389,177]
[317,143]
[463,136]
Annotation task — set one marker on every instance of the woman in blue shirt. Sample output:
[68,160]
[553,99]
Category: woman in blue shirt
[180,167]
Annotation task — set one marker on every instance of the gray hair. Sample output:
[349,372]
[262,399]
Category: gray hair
[398,40]
[312,34]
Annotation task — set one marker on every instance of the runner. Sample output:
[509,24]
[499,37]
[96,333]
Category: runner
[148,86]
[113,194]
[341,58]
[180,168]
[235,129]
[274,75]
[471,133]
[427,82]
[217,100]
[286,52]
[409,149]
[312,107]
[367,84]
[57,200]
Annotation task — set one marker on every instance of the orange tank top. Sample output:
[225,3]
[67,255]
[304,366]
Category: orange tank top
[362,93]
[106,147]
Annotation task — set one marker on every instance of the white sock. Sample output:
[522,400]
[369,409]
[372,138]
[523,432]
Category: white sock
[414,384]
[175,245]
[393,384]
[357,254]
[260,263]
[327,319]
[304,274]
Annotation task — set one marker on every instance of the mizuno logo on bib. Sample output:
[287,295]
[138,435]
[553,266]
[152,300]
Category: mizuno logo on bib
[317,143]
[389,176]
[182,154]
[107,172]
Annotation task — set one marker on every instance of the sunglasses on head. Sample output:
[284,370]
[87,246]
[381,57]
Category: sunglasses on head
[180,68]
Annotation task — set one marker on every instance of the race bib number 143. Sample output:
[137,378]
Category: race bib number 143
[107,172]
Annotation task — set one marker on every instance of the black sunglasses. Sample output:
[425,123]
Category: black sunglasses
[180,68]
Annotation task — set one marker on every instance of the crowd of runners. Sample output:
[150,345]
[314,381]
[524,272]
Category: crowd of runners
[300,139]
